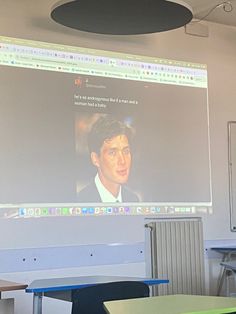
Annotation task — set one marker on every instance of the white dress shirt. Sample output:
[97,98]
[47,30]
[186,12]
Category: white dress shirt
[105,195]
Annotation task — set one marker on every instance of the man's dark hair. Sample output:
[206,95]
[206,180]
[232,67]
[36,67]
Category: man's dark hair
[106,128]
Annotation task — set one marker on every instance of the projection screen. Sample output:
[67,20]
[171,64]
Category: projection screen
[53,97]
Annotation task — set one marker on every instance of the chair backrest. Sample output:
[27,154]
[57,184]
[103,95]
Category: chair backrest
[89,300]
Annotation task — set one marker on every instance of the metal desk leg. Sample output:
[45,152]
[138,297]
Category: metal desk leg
[37,303]
[222,275]
[228,273]
[221,281]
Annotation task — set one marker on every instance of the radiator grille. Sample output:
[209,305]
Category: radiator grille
[177,253]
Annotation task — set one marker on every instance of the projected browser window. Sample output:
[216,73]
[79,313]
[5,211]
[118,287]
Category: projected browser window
[88,132]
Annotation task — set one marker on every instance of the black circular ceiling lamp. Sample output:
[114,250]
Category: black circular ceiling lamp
[122,17]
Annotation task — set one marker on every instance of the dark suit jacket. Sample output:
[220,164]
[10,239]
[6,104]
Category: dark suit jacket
[90,194]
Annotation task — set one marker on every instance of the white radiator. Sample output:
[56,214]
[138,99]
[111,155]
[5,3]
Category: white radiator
[175,247]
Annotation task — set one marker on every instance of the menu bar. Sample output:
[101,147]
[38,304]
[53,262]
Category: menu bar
[59,58]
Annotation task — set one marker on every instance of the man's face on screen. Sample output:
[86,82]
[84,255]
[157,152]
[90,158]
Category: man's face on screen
[114,160]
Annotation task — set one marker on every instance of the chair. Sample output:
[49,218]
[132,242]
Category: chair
[229,271]
[89,300]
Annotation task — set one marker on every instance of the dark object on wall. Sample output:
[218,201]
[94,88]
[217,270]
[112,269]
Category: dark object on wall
[122,17]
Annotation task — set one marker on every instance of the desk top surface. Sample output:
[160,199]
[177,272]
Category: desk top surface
[222,248]
[10,285]
[171,304]
[69,283]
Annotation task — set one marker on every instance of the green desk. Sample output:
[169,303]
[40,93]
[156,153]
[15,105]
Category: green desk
[171,304]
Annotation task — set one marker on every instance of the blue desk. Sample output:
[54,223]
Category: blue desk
[227,252]
[60,288]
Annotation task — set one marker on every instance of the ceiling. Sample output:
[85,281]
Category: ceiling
[40,10]
[216,12]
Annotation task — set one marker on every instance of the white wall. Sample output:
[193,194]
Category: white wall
[218,51]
